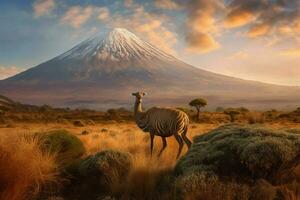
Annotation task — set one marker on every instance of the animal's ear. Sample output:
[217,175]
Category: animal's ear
[133,94]
[144,93]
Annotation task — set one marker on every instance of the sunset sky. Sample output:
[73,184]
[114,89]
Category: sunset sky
[249,39]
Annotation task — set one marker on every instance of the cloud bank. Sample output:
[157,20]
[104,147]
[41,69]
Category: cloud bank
[43,7]
[77,15]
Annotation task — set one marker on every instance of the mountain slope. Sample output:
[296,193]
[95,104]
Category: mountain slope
[102,72]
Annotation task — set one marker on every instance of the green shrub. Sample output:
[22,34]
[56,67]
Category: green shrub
[271,114]
[67,146]
[243,152]
[220,109]
[45,108]
[241,162]
[98,175]
[297,111]
[106,163]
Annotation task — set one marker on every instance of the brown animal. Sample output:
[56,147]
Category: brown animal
[163,122]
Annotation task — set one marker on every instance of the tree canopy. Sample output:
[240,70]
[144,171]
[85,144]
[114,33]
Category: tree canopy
[199,102]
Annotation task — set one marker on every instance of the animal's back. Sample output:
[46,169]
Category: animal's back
[166,121]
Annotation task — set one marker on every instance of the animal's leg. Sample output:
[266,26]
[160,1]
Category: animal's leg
[186,139]
[151,142]
[180,142]
[164,141]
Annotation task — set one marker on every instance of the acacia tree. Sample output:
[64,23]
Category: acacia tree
[198,104]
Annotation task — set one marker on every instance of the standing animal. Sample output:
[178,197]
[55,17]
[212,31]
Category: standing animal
[163,122]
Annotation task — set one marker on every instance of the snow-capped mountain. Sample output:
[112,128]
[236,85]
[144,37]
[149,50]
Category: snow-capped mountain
[118,45]
[97,58]
[102,72]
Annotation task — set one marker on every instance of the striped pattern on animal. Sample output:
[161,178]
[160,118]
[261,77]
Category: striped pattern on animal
[163,122]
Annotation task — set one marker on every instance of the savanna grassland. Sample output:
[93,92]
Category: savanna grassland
[57,154]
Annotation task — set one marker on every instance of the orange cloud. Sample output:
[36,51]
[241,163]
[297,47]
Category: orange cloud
[201,42]
[76,16]
[166,4]
[258,30]
[6,72]
[201,26]
[103,14]
[43,7]
[237,18]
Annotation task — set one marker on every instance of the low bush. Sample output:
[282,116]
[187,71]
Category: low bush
[65,145]
[110,166]
[271,114]
[99,174]
[244,153]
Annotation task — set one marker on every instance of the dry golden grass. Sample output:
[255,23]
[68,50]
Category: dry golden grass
[24,169]
[201,187]
[126,137]
[27,178]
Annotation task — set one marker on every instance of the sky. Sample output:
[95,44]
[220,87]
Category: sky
[250,39]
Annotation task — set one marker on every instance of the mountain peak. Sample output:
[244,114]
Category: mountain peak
[123,38]
[117,45]
[120,31]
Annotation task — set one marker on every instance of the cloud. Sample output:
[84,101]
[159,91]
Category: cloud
[6,72]
[237,18]
[43,7]
[151,27]
[103,13]
[264,17]
[293,52]
[201,25]
[207,19]
[201,42]
[166,4]
[77,15]
[259,30]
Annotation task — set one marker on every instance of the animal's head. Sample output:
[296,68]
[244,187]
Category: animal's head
[139,95]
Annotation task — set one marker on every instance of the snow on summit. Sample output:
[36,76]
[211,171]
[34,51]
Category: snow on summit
[118,45]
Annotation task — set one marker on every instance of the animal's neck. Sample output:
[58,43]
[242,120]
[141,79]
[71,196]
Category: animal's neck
[138,107]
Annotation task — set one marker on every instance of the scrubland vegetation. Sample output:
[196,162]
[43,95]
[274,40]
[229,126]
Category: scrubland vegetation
[64,154]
